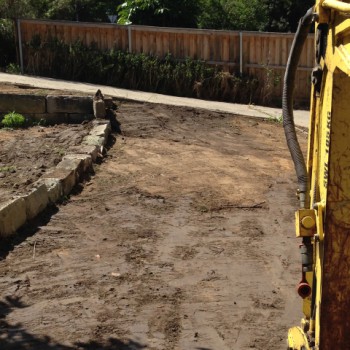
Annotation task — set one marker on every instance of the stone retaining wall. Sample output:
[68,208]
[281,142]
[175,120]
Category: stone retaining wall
[50,109]
[60,180]
[56,183]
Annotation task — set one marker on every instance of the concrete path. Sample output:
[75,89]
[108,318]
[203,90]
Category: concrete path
[301,117]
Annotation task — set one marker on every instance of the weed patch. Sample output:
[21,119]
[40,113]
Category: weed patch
[13,120]
[186,78]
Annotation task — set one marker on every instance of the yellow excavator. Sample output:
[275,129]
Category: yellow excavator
[323,219]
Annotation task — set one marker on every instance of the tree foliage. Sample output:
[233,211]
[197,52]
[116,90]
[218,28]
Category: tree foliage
[15,8]
[233,15]
[258,15]
[181,13]
[74,10]
[267,15]
[81,10]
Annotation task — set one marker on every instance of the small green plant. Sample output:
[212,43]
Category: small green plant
[279,119]
[276,119]
[13,68]
[272,80]
[5,169]
[13,120]
[41,122]
[7,40]
[60,151]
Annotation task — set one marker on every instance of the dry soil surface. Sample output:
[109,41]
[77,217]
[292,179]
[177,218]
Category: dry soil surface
[183,239]
[26,154]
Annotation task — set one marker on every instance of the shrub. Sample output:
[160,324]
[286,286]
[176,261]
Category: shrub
[187,78]
[13,120]
[7,47]
[13,68]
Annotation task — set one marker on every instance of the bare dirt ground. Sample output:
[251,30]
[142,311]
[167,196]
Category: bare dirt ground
[27,89]
[183,239]
[26,154]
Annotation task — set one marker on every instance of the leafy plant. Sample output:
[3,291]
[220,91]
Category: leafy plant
[13,120]
[9,169]
[233,15]
[7,40]
[272,80]
[169,13]
[188,78]
[13,68]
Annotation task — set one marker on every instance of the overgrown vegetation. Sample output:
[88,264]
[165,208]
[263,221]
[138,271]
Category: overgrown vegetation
[165,13]
[13,120]
[7,169]
[7,43]
[138,71]
[189,78]
[266,15]
[70,10]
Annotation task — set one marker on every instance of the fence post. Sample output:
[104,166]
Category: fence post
[129,38]
[20,44]
[241,53]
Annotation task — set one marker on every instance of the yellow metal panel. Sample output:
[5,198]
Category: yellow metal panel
[297,339]
[336,5]
[335,302]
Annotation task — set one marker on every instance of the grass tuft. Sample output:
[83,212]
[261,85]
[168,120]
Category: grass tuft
[13,120]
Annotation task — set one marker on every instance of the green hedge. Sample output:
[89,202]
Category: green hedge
[188,78]
[7,44]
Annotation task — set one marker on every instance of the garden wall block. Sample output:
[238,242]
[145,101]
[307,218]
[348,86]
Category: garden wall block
[99,108]
[69,104]
[102,129]
[93,140]
[12,216]
[66,177]
[83,161]
[22,103]
[76,165]
[36,201]
[54,189]
[93,151]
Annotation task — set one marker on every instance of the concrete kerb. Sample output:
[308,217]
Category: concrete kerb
[13,214]
[56,183]
[36,201]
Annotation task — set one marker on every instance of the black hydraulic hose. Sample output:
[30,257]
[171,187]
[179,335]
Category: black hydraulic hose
[287,102]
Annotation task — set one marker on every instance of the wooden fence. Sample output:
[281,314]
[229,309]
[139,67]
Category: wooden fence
[260,54]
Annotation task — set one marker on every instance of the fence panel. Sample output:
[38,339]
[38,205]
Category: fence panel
[263,55]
